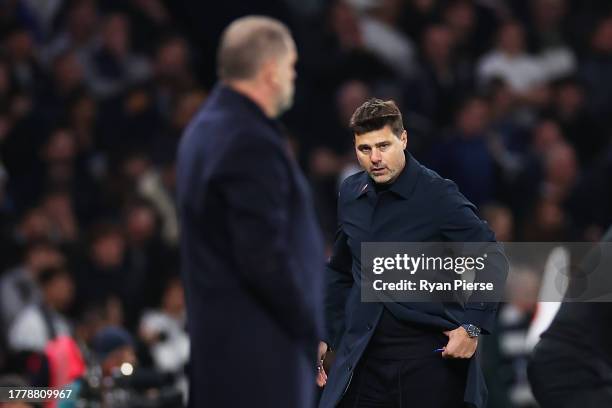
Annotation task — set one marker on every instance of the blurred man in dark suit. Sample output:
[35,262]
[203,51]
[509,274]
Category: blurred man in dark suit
[252,257]
[571,366]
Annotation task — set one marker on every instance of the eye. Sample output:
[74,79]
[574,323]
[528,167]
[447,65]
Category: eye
[383,146]
[364,149]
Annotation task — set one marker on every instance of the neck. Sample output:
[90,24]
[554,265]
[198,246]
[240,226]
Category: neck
[256,94]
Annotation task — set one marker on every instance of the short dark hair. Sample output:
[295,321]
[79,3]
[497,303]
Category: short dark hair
[375,114]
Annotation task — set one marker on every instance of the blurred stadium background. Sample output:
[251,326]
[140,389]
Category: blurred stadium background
[510,99]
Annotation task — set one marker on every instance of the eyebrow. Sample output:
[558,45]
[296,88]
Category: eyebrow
[360,146]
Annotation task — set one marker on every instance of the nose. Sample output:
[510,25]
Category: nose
[375,157]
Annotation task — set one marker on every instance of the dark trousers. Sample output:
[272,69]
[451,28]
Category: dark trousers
[564,376]
[427,382]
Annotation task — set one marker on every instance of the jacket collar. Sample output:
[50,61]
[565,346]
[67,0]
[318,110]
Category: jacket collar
[403,186]
[226,94]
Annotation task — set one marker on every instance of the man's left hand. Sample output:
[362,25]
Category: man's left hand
[460,345]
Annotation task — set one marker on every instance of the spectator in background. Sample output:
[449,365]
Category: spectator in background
[465,157]
[19,286]
[90,320]
[418,15]
[41,321]
[515,318]
[61,169]
[510,136]
[334,155]
[560,172]
[136,173]
[25,67]
[545,26]
[122,378]
[150,21]
[509,116]
[113,347]
[68,78]
[164,330]
[473,24]
[106,265]
[382,36]
[59,159]
[351,94]
[335,140]
[443,81]
[65,82]
[148,259]
[546,135]
[333,53]
[114,65]
[133,118]
[82,119]
[159,188]
[126,170]
[524,187]
[546,222]
[172,74]
[511,62]
[57,206]
[78,32]
[184,106]
[33,226]
[549,39]
[342,41]
[594,72]
[569,109]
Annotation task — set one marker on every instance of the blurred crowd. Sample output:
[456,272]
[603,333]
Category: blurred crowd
[510,99]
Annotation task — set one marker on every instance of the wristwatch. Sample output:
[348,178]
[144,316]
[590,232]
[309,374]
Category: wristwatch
[471,330]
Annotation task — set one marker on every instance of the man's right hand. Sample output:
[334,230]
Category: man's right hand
[321,374]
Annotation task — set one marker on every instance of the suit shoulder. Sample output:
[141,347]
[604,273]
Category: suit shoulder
[234,129]
[435,184]
[440,191]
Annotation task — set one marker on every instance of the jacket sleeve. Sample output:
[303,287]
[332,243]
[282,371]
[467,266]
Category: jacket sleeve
[256,186]
[338,281]
[460,223]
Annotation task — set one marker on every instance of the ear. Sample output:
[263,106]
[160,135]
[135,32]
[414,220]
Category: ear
[404,139]
[269,71]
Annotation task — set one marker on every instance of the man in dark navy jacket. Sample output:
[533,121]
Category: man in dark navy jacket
[384,352]
[252,258]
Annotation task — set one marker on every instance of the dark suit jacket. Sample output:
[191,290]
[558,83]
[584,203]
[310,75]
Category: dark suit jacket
[577,342]
[251,259]
[419,206]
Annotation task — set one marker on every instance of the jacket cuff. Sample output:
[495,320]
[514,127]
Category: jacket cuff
[484,319]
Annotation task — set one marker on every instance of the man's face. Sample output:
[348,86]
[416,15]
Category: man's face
[285,79]
[381,154]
